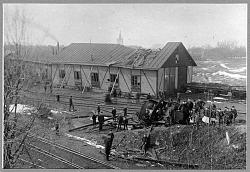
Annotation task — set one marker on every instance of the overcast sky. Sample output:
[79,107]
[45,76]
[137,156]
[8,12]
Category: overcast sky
[140,24]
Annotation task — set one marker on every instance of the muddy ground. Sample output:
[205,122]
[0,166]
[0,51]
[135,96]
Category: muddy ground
[206,147]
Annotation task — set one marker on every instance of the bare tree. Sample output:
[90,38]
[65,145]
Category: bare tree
[15,77]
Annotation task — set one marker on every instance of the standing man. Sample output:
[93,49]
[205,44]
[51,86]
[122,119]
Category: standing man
[57,127]
[125,110]
[220,116]
[234,113]
[114,113]
[94,119]
[71,104]
[98,109]
[101,121]
[108,144]
[120,121]
[45,87]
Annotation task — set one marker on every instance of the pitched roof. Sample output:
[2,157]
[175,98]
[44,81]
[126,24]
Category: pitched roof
[86,53]
[116,55]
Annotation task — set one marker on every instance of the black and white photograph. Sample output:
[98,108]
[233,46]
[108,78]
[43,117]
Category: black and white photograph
[131,86]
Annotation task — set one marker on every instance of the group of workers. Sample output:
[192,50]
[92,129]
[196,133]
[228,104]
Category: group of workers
[194,111]
[119,119]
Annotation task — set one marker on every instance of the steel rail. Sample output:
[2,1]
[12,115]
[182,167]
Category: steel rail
[31,163]
[42,151]
[73,151]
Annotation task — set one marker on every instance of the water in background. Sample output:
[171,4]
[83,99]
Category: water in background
[231,71]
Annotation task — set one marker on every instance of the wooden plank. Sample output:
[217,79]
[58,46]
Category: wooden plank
[85,76]
[149,82]
[104,77]
[87,125]
[87,79]
[125,81]
[115,81]
[54,73]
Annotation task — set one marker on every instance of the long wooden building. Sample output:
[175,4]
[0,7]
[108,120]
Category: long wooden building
[100,66]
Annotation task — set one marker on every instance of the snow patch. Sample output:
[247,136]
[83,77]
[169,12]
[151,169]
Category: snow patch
[89,142]
[243,69]
[224,66]
[21,108]
[235,76]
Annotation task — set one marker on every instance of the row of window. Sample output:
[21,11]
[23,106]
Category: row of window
[135,79]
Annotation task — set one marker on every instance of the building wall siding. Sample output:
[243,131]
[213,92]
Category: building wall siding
[182,77]
[160,79]
[127,79]
[146,88]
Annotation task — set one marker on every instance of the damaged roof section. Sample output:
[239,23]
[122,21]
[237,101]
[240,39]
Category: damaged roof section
[140,58]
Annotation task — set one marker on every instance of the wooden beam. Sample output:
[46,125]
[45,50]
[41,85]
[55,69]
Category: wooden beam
[87,79]
[80,74]
[115,80]
[104,77]
[161,80]
[149,82]
[157,84]
[77,128]
[164,81]
[69,76]
[85,76]
[54,73]
[98,75]
[125,81]
[140,81]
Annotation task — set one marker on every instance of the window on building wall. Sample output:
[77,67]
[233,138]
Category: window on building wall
[135,83]
[135,80]
[94,77]
[77,75]
[113,77]
[61,73]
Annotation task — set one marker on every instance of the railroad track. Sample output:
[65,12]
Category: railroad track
[70,158]
[34,165]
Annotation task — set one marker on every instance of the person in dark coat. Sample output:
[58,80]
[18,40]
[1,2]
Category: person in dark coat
[114,113]
[94,118]
[125,110]
[98,109]
[71,104]
[57,127]
[125,123]
[148,96]
[101,121]
[58,98]
[234,113]
[45,87]
[220,116]
[184,108]
[120,121]
[108,144]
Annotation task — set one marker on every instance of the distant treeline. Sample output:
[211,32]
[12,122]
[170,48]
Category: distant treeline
[224,49]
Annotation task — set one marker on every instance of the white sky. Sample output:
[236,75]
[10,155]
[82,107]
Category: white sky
[140,24]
